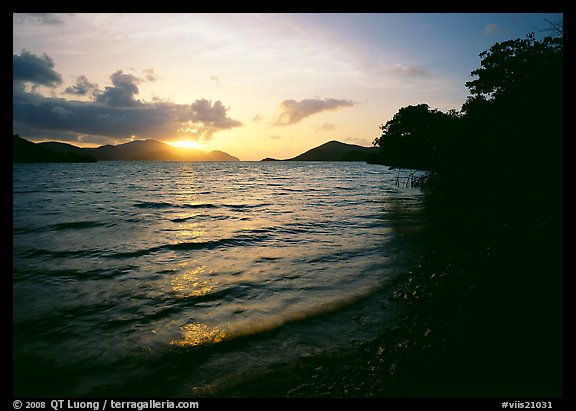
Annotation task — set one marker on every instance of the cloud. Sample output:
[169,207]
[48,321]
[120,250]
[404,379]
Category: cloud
[490,29]
[60,111]
[216,80]
[82,87]
[205,118]
[123,91]
[150,74]
[408,70]
[38,18]
[275,137]
[257,118]
[165,120]
[112,114]
[28,67]
[294,111]
[325,127]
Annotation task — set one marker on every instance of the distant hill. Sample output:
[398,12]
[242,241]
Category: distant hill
[154,150]
[137,150]
[334,151]
[24,151]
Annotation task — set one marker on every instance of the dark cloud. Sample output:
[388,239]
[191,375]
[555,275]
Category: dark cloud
[28,67]
[82,87]
[200,120]
[113,114]
[294,111]
[61,111]
[123,91]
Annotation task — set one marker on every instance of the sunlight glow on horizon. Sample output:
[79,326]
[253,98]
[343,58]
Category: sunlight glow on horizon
[185,144]
[251,85]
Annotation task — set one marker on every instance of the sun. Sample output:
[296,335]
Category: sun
[184,144]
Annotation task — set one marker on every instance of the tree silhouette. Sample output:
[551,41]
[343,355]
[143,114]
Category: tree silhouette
[494,195]
[417,137]
[511,123]
[515,110]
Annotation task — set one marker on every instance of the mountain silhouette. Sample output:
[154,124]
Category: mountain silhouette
[138,150]
[334,151]
[24,151]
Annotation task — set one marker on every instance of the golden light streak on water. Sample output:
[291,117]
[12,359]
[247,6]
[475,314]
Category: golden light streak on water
[197,334]
[191,284]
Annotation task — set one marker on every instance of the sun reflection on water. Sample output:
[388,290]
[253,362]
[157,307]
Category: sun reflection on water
[197,334]
[191,284]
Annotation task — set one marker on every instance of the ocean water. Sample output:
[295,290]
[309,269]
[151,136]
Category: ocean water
[176,279]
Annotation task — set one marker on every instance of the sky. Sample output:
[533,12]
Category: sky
[252,85]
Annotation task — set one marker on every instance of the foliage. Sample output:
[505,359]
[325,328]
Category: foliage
[513,66]
[512,122]
[417,136]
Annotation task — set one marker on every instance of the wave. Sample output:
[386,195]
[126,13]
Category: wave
[256,326]
[240,241]
[153,204]
[75,225]
[70,225]
[244,240]
[246,206]
[41,252]
[63,275]
[207,205]
[163,204]
[182,219]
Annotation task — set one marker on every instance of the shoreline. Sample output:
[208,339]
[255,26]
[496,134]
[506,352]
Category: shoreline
[478,318]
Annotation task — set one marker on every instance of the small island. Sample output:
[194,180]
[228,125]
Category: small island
[335,151]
